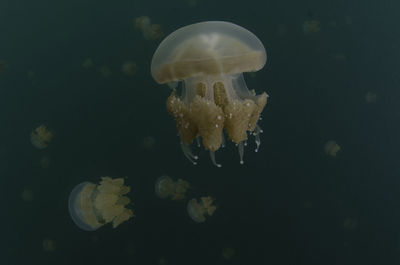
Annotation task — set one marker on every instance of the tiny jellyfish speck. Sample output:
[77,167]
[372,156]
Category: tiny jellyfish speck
[94,205]
[41,137]
[209,59]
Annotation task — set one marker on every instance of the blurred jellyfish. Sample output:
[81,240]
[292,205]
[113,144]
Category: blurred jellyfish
[27,195]
[87,63]
[191,3]
[370,97]
[41,137]
[148,143]
[311,26]
[129,68]
[198,210]
[350,223]
[105,71]
[49,244]
[209,59]
[166,187]
[228,253]
[340,57]
[331,148]
[31,74]
[3,66]
[45,162]
[92,206]
[150,31]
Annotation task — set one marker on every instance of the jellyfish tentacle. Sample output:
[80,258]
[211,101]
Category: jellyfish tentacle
[212,157]
[241,151]
[188,153]
[256,133]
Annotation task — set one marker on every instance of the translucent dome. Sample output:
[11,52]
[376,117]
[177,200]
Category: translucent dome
[207,48]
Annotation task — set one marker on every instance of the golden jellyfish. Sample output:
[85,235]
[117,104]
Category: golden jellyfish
[197,210]
[166,187]
[150,31]
[94,205]
[331,148]
[209,59]
[41,137]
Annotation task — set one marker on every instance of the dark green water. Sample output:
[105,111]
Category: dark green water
[290,203]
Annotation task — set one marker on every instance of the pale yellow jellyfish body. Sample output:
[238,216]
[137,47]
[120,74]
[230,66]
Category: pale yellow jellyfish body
[92,206]
[331,148]
[41,137]
[166,187]
[198,210]
[209,58]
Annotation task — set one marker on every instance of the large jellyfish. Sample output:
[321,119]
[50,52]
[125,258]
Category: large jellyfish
[209,59]
[92,206]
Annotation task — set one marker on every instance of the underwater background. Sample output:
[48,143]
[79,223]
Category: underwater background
[332,74]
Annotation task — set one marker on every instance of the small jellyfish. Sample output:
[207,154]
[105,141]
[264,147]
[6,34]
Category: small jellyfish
[228,253]
[87,63]
[45,162]
[105,71]
[311,26]
[27,195]
[209,59]
[49,244]
[150,31]
[3,66]
[31,74]
[41,137]
[129,68]
[92,206]
[198,210]
[370,97]
[166,187]
[331,148]
[148,143]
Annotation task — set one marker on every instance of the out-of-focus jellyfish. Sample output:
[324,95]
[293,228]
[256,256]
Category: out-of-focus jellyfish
[350,223]
[94,205]
[338,56]
[129,68]
[49,244]
[370,97]
[197,210]
[150,31]
[41,137]
[45,162]
[31,74]
[3,66]
[166,187]
[87,63]
[105,71]
[311,26]
[148,143]
[27,195]
[228,253]
[331,148]
[209,58]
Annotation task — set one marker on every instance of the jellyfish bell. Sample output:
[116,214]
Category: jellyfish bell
[94,205]
[209,58]
[164,186]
